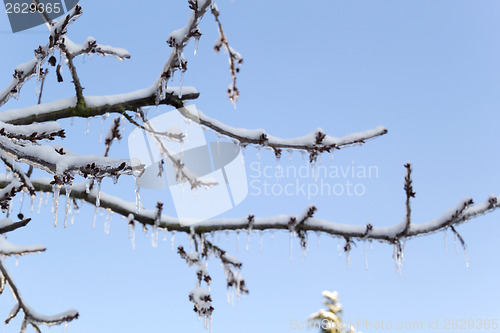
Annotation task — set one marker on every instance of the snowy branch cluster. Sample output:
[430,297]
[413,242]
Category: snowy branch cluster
[23,131]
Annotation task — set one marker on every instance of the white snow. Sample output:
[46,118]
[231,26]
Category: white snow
[9,249]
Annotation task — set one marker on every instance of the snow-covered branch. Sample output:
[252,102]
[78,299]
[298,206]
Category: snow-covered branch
[24,72]
[58,160]
[178,40]
[305,222]
[31,317]
[315,143]
[95,105]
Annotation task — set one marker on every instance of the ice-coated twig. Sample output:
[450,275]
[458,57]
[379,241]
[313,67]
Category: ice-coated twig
[113,133]
[178,40]
[235,58]
[25,71]
[30,316]
[409,194]
[18,171]
[91,46]
[59,160]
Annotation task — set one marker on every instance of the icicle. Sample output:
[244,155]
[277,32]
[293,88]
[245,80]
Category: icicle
[314,170]
[165,234]
[291,246]
[249,233]
[56,189]
[32,202]
[272,234]
[348,257]
[21,201]
[227,236]
[260,241]
[290,153]
[181,82]
[172,240]
[339,248]
[47,199]
[398,256]
[243,149]
[237,240]
[72,212]
[331,156]
[94,219]
[365,255]
[87,130]
[154,237]
[89,184]
[445,244]
[40,204]
[318,235]
[107,223]
[67,189]
[196,41]
[258,153]
[137,194]
[466,258]
[303,154]
[98,195]
[456,242]
[278,167]
[131,234]
[145,230]
[218,144]
[103,120]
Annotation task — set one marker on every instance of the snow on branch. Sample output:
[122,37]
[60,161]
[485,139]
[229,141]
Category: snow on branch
[33,132]
[315,143]
[31,317]
[178,40]
[24,72]
[91,46]
[465,210]
[58,160]
[8,249]
[95,105]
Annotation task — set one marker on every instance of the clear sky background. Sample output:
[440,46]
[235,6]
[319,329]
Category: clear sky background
[429,71]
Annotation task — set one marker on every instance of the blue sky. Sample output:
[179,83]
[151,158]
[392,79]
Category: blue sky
[428,71]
